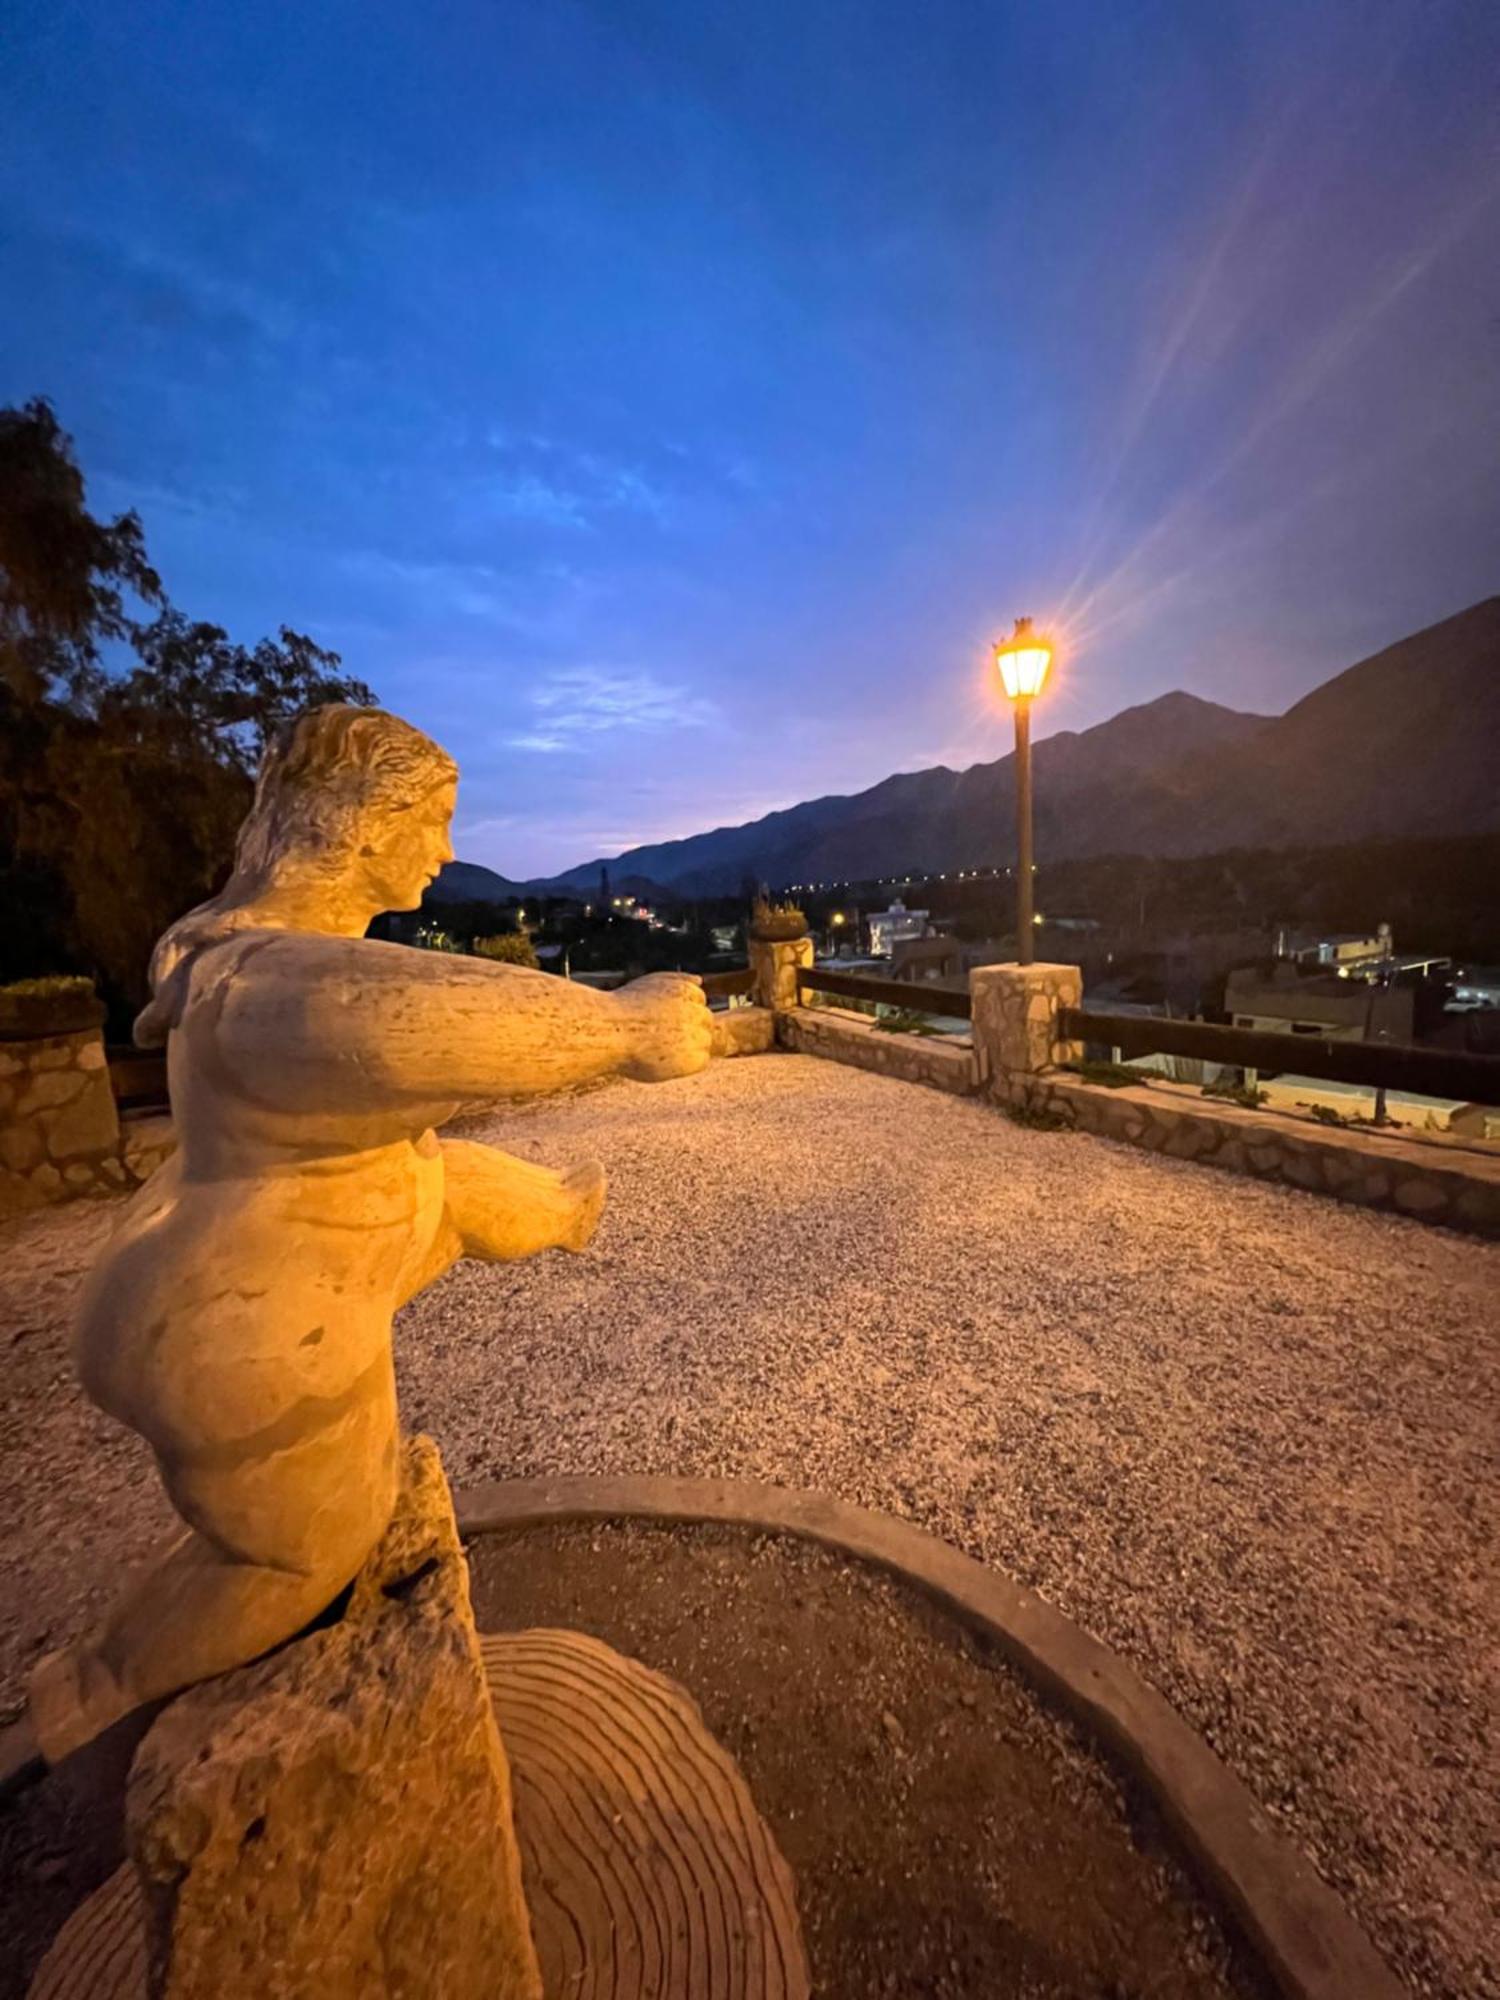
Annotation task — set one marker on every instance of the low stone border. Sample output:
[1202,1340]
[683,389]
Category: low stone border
[849,1038]
[743,1031]
[61,1134]
[1449,1185]
[1309,1943]
[1429,1183]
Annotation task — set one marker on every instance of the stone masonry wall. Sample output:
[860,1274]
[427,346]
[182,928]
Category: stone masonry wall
[743,1031]
[1431,1183]
[849,1038]
[59,1132]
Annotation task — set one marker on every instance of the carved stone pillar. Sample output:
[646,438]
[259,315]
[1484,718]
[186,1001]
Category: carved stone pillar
[1015,1017]
[775,963]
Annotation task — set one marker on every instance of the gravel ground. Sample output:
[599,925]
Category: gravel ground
[1243,1434]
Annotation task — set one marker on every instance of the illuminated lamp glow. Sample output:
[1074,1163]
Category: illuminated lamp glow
[1023,660]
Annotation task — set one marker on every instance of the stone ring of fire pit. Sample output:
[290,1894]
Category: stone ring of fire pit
[1307,1941]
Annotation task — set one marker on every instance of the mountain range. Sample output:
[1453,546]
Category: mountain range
[1403,744]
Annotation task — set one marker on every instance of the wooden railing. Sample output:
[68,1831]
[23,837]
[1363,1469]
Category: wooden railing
[913,997]
[1469,1079]
[138,1077]
[727,985]
[1452,1074]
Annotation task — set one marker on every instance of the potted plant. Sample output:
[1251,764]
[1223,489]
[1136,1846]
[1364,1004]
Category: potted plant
[60,1004]
[776,923]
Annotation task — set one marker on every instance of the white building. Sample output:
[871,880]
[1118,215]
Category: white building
[893,926]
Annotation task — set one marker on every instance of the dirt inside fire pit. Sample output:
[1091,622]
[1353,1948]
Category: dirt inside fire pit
[950,1836]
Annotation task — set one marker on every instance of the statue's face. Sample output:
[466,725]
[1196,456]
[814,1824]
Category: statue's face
[405,851]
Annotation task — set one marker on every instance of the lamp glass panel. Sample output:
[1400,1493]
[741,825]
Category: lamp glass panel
[1023,669]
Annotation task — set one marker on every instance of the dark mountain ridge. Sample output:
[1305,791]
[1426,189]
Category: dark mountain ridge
[1405,743]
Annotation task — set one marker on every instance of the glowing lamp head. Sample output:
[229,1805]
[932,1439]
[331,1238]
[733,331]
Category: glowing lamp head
[1023,660]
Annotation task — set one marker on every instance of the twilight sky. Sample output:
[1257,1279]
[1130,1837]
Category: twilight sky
[663,404]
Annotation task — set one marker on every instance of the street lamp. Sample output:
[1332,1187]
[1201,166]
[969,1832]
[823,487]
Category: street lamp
[1023,660]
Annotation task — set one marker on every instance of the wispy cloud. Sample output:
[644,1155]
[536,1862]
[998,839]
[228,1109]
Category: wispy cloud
[199,500]
[525,497]
[476,589]
[583,702]
[540,602]
[566,486]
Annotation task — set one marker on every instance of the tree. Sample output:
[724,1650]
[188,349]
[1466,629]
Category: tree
[63,574]
[121,786]
[507,948]
[194,686]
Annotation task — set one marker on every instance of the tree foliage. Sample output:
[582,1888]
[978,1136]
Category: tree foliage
[193,684]
[63,575]
[507,948]
[128,732]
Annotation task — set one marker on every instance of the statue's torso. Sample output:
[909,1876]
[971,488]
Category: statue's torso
[256,1271]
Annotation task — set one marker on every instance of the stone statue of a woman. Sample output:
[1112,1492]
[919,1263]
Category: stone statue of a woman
[240,1317]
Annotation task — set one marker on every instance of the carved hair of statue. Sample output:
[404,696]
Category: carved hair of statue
[322,780]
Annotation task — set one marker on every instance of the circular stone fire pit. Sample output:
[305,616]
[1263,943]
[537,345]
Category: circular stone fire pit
[941,1827]
[950,1833]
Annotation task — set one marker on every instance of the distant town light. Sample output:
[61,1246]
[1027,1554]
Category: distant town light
[1023,660]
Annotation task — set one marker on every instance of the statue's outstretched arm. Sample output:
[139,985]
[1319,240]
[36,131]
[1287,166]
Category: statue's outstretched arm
[324,1023]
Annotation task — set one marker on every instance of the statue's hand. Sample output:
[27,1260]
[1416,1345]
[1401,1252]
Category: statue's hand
[668,1032]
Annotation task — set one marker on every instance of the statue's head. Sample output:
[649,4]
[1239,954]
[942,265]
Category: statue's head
[350,818]
[354,799]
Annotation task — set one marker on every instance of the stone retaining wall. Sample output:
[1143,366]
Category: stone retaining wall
[1432,1183]
[850,1038]
[1010,1066]
[59,1132]
[743,1031]
[60,1135]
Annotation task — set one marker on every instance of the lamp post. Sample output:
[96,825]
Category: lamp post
[1378,981]
[1022,661]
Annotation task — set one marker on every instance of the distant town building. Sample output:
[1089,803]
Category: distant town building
[1286,1001]
[891,927]
[947,959]
[1346,948]
[927,959]
[1353,955]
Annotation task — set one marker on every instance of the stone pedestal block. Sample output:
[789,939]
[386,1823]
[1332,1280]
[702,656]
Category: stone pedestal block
[1015,1017]
[336,1819]
[774,966]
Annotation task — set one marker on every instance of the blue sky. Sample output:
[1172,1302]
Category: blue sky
[664,404]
